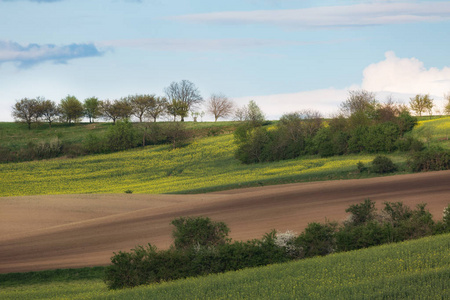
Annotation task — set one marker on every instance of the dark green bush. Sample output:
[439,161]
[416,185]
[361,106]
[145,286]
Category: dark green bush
[382,164]
[430,160]
[121,136]
[317,239]
[198,232]
[361,213]
[93,144]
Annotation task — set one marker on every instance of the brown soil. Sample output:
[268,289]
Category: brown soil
[68,231]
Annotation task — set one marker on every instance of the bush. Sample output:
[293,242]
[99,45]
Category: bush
[430,160]
[94,144]
[317,239]
[198,232]
[361,213]
[121,136]
[383,164]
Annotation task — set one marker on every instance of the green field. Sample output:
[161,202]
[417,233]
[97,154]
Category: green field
[418,269]
[434,132]
[206,164]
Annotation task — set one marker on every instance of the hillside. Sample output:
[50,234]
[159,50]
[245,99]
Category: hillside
[61,231]
[409,270]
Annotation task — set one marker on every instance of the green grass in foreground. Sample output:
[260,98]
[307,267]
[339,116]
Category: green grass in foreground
[418,269]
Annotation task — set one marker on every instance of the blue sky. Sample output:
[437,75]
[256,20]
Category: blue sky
[287,55]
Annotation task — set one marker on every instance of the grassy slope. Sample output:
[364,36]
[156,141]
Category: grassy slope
[415,269]
[206,164]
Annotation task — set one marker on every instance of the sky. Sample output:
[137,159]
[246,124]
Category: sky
[286,55]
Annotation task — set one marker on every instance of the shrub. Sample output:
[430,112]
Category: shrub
[361,167]
[121,136]
[317,239]
[430,160]
[361,213]
[94,144]
[198,232]
[382,164]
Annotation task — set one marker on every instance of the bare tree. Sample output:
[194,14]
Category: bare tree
[359,101]
[26,110]
[240,113]
[421,103]
[185,92]
[219,106]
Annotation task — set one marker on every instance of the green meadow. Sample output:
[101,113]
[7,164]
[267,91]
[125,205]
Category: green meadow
[206,164]
[418,269]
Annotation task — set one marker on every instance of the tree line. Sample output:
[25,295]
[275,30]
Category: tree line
[181,100]
[363,125]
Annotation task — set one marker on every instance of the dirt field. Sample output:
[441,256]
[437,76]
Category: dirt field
[63,231]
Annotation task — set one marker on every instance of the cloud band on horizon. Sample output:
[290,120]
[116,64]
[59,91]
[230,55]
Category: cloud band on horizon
[33,54]
[331,16]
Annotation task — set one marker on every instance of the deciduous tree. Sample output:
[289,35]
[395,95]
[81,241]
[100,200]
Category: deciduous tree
[92,108]
[219,106]
[26,110]
[71,108]
[141,105]
[48,111]
[114,110]
[185,92]
[421,103]
[158,109]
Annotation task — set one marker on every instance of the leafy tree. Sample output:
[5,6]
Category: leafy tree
[141,104]
[158,109]
[71,109]
[92,108]
[254,113]
[219,106]
[48,111]
[186,93]
[26,110]
[177,108]
[118,109]
[421,103]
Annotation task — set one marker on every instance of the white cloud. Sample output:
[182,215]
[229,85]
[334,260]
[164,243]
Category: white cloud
[377,13]
[400,78]
[405,76]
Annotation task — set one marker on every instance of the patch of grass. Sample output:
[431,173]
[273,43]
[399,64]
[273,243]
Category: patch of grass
[50,276]
[433,132]
[417,269]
